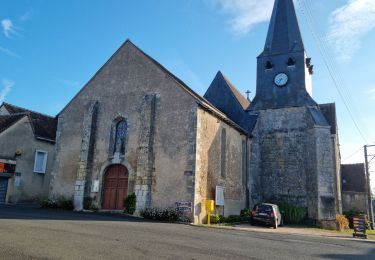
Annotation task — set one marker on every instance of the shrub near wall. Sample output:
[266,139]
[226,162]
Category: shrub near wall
[342,222]
[292,214]
[130,203]
[60,202]
[167,214]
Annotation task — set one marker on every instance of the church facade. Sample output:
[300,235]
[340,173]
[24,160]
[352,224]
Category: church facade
[135,127]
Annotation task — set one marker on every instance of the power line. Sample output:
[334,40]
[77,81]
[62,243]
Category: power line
[356,152]
[327,58]
[324,41]
[328,64]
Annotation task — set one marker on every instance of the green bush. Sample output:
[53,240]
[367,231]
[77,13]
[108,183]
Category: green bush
[47,203]
[245,212]
[130,203]
[215,219]
[292,214]
[65,203]
[94,206]
[233,219]
[60,202]
[87,201]
[167,214]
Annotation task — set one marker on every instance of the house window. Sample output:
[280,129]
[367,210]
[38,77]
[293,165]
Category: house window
[120,136]
[40,163]
[223,152]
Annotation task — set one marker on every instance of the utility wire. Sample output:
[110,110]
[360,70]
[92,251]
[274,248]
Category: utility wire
[324,41]
[356,152]
[337,77]
[328,64]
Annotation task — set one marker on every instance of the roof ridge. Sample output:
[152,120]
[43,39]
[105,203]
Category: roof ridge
[27,110]
[185,87]
[199,99]
[9,124]
[235,91]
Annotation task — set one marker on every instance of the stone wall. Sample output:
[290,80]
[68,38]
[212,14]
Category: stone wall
[326,173]
[354,201]
[292,160]
[278,158]
[160,142]
[208,167]
[20,136]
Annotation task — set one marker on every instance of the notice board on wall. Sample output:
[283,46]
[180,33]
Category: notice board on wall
[219,196]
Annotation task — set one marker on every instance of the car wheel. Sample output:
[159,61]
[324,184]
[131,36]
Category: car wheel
[252,222]
[275,224]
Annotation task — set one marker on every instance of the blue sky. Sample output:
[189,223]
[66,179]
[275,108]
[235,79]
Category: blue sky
[50,49]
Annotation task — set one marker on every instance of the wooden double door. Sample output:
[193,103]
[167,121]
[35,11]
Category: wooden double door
[115,187]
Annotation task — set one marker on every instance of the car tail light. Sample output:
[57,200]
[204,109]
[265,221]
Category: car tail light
[272,215]
[253,213]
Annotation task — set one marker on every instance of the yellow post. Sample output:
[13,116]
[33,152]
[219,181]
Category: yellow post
[210,206]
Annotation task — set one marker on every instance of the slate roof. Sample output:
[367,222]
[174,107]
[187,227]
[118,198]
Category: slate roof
[329,112]
[240,98]
[317,116]
[284,34]
[225,97]
[8,120]
[44,126]
[353,177]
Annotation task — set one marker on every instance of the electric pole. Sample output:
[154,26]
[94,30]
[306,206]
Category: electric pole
[370,211]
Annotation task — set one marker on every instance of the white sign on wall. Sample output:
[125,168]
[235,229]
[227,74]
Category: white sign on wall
[219,196]
[95,186]
[17,179]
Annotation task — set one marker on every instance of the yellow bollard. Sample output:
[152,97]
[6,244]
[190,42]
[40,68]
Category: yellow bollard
[210,206]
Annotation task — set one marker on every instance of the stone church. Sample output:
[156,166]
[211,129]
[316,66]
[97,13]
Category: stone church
[135,127]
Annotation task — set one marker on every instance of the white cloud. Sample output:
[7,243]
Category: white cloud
[9,52]
[7,86]
[8,27]
[26,16]
[245,14]
[349,24]
[372,93]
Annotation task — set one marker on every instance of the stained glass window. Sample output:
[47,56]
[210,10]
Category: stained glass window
[121,133]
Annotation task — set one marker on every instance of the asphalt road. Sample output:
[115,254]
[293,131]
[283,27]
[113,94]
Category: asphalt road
[30,233]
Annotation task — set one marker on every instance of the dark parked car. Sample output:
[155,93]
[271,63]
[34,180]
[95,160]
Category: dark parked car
[268,214]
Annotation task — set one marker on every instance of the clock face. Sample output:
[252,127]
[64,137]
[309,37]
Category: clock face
[281,79]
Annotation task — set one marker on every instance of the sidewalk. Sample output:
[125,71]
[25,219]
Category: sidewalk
[302,231]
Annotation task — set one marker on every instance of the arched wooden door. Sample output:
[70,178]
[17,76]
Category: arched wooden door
[115,187]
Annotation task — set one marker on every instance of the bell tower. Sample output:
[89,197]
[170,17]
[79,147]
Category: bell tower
[283,70]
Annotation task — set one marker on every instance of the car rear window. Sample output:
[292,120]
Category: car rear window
[264,208]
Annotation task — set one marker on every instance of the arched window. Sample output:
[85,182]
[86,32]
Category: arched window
[291,62]
[120,136]
[268,65]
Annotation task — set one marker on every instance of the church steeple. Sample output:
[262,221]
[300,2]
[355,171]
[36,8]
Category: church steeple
[284,34]
[284,72]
